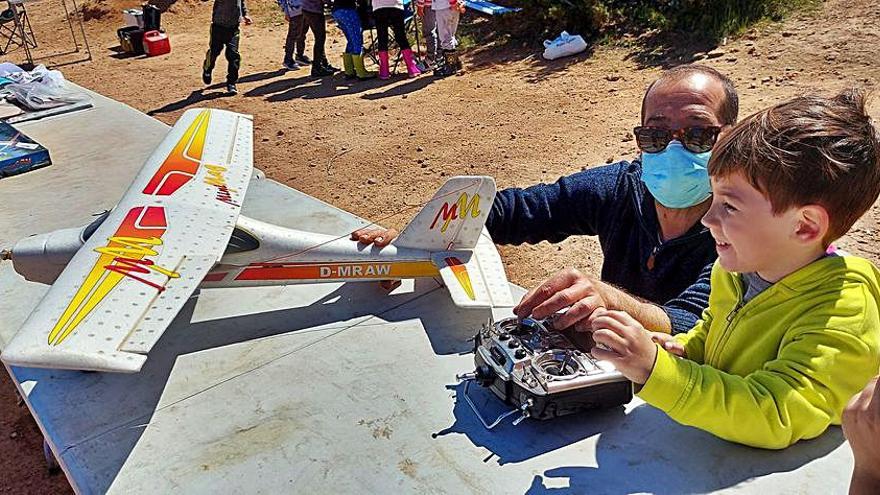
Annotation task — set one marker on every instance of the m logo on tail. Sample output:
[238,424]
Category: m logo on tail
[457,210]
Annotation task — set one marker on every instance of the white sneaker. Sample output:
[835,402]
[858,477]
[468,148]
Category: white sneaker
[291,65]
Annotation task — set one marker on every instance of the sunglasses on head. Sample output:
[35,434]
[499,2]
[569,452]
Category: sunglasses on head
[694,139]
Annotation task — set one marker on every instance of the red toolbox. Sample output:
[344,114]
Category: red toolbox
[156,43]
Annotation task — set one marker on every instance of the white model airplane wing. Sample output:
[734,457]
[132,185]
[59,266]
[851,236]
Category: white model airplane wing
[124,286]
[475,279]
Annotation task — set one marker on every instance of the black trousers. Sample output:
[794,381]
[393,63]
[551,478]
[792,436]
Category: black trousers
[315,22]
[296,37]
[224,37]
[393,18]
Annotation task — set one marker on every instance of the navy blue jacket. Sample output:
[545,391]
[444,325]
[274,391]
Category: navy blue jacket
[613,203]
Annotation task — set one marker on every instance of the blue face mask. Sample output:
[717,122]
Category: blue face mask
[676,177]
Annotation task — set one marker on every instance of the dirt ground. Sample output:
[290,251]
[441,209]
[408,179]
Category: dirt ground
[375,147]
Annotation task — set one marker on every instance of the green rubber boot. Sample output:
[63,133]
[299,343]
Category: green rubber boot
[348,66]
[359,69]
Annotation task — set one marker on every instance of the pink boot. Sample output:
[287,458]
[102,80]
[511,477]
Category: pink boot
[411,68]
[383,65]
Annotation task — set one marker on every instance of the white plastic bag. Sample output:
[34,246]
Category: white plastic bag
[42,88]
[566,44]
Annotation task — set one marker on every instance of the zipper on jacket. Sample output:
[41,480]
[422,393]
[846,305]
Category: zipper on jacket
[650,263]
[672,242]
[637,200]
[732,314]
[722,339]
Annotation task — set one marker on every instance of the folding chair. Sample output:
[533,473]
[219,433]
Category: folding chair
[411,27]
[16,30]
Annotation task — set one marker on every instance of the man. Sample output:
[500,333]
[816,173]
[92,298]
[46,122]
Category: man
[646,213]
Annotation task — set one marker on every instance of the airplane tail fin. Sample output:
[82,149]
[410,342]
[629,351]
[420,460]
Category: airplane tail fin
[453,219]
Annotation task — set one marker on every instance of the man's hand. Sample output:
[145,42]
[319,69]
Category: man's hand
[570,289]
[861,426]
[667,342]
[377,236]
[247,20]
[626,343]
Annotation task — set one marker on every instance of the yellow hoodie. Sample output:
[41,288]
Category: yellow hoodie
[780,367]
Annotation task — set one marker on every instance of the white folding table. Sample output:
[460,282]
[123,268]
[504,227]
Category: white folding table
[326,388]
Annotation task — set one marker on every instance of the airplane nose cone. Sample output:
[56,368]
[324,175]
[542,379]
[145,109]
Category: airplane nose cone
[41,258]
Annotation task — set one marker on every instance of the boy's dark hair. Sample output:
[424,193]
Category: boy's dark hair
[730,105]
[809,150]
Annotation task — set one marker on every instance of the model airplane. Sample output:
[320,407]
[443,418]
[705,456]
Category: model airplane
[119,282]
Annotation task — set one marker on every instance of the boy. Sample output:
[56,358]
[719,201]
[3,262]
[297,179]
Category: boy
[225,35]
[313,17]
[293,15]
[791,333]
[429,25]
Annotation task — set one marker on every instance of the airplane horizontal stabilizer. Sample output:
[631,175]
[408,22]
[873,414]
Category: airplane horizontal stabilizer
[475,279]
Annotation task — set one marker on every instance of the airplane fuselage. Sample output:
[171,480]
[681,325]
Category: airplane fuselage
[259,254]
[287,256]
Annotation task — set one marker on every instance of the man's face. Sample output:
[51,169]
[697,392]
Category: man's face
[748,236]
[694,101]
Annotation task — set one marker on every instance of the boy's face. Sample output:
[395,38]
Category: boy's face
[748,236]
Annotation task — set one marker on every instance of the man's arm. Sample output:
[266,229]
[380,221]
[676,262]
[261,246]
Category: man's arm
[683,312]
[577,204]
[583,294]
[574,205]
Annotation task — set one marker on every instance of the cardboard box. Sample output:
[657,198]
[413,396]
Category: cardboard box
[19,153]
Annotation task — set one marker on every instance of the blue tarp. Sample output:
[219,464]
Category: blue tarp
[488,8]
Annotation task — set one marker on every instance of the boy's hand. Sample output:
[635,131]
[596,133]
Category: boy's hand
[861,426]
[286,17]
[629,346]
[378,237]
[247,20]
[571,289]
[420,11]
[667,342]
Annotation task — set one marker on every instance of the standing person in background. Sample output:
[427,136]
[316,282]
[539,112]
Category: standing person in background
[345,14]
[301,58]
[429,25]
[225,34]
[447,13]
[389,14]
[313,17]
[293,15]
